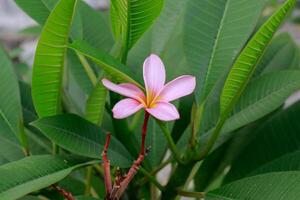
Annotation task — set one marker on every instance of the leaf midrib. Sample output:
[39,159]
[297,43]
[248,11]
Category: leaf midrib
[216,42]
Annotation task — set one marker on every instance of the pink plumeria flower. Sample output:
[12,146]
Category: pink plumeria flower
[158,95]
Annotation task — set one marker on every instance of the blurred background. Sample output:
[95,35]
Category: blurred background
[14,26]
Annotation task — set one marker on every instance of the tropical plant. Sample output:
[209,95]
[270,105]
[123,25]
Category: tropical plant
[67,132]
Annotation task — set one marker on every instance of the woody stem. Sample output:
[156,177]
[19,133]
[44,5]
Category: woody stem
[64,193]
[106,167]
[134,168]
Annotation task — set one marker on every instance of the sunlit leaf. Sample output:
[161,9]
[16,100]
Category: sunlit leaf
[49,59]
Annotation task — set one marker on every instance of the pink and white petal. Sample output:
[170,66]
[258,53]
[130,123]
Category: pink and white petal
[164,111]
[125,89]
[125,108]
[154,74]
[179,87]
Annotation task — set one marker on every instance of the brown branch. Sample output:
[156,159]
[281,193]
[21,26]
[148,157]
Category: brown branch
[64,193]
[106,167]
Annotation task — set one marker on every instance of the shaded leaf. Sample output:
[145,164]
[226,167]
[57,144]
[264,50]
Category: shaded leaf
[271,186]
[10,103]
[82,137]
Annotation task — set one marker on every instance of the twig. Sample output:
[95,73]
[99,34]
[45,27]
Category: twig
[106,167]
[120,187]
[66,194]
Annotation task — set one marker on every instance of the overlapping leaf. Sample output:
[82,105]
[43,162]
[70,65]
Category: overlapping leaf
[131,18]
[246,63]
[214,33]
[110,65]
[33,173]
[277,137]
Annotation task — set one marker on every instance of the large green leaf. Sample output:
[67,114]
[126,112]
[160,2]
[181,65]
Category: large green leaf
[214,33]
[131,18]
[109,64]
[49,59]
[82,137]
[95,106]
[270,186]
[33,173]
[10,103]
[246,63]
[273,139]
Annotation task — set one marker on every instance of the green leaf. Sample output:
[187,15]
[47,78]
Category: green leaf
[79,73]
[9,151]
[33,173]
[246,63]
[214,33]
[281,54]
[109,64]
[82,137]
[131,18]
[271,186]
[287,162]
[273,139]
[162,39]
[38,10]
[49,59]
[10,103]
[95,106]
[262,96]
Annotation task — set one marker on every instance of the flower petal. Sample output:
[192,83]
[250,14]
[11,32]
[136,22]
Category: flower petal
[125,108]
[154,75]
[164,111]
[179,87]
[125,89]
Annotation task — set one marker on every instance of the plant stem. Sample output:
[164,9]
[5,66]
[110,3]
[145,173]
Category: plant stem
[209,145]
[106,167]
[64,193]
[54,148]
[177,180]
[170,141]
[191,194]
[88,179]
[86,66]
[196,120]
[123,182]
[151,178]
[23,139]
